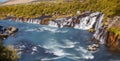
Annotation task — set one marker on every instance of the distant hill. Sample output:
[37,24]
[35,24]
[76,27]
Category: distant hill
[11,2]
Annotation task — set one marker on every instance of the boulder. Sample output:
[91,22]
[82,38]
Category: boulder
[1,31]
[10,30]
[96,45]
[4,33]
[3,36]
[93,47]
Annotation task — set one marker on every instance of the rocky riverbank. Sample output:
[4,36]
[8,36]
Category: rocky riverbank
[113,37]
[113,42]
[6,32]
[7,53]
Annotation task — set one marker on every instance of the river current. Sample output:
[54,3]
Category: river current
[45,43]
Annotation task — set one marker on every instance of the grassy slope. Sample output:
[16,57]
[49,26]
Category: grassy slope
[110,8]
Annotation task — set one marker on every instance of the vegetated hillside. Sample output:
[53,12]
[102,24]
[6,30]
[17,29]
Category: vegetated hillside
[108,7]
[36,10]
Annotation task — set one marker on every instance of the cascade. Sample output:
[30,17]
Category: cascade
[101,33]
[85,21]
[30,20]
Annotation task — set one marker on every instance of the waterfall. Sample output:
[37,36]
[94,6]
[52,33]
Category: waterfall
[100,32]
[84,22]
[101,35]
[99,22]
[30,20]
[52,23]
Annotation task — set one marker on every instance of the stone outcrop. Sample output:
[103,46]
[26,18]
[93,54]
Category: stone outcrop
[113,36]
[2,36]
[6,32]
[113,42]
[93,47]
[10,30]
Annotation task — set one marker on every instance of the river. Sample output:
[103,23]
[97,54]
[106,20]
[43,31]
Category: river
[45,43]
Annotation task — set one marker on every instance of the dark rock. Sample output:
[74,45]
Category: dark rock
[1,29]
[113,42]
[93,47]
[96,45]
[11,30]
[3,36]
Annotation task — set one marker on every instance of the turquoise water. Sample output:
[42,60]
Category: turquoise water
[45,43]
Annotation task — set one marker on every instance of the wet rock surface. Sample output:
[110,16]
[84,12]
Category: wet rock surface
[2,36]
[6,32]
[113,37]
[10,30]
[93,47]
[113,42]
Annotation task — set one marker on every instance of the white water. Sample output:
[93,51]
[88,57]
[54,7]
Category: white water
[70,48]
[100,34]
[33,21]
[93,20]
[84,22]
